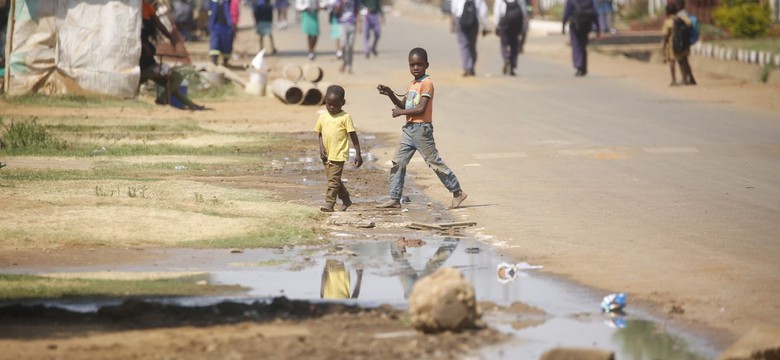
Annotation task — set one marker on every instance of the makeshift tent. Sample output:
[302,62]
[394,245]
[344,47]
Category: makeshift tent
[74,47]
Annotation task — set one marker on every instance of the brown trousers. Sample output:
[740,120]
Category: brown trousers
[336,188]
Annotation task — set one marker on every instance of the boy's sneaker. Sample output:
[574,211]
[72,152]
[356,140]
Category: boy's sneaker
[456,200]
[326,209]
[389,204]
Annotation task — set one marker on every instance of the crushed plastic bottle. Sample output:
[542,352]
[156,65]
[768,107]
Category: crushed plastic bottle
[613,302]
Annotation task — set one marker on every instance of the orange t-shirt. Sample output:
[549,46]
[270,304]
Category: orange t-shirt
[422,87]
[147,10]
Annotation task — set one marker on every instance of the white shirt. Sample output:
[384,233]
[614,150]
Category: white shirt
[499,9]
[456,9]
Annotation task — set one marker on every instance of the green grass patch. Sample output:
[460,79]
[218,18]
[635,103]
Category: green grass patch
[215,93]
[74,101]
[48,175]
[273,235]
[17,287]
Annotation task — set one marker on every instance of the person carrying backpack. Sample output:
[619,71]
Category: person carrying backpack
[676,33]
[581,16]
[511,18]
[468,16]
[263,12]
[687,34]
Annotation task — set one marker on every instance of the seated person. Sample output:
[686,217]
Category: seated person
[169,79]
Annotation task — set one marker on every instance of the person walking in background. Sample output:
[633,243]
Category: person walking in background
[511,17]
[335,128]
[310,23]
[417,133]
[263,12]
[281,7]
[467,17]
[682,22]
[335,27]
[372,24]
[348,12]
[606,14]
[223,15]
[581,16]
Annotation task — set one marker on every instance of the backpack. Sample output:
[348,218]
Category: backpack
[469,20]
[584,16]
[681,36]
[263,10]
[694,29]
[513,20]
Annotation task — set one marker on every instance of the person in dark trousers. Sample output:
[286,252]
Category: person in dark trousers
[511,17]
[581,16]
[372,21]
[682,57]
[467,17]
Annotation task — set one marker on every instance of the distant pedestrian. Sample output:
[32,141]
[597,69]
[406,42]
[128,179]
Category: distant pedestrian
[685,22]
[606,13]
[467,17]
[674,48]
[348,13]
[335,128]
[372,24]
[263,12]
[417,133]
[334,12]
[581,16]
[310,23]
[281,7]
[223,16]
[511,19]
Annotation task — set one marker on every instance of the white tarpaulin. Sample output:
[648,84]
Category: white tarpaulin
[75,47]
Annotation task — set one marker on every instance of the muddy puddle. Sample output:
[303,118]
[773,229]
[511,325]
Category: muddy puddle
[372,272]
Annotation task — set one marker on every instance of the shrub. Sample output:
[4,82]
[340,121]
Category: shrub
[27,135]
[744,18]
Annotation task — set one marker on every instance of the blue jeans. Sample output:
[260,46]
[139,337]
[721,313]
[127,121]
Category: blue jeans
[419,137]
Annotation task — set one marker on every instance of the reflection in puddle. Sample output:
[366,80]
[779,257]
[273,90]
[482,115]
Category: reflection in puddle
[383,272]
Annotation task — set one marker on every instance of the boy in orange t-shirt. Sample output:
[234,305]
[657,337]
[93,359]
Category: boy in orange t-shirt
[417,133]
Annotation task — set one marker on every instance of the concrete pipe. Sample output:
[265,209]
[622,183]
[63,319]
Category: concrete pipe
[323,87]
[287,91]
[292,72]
[311,94]
[312,72]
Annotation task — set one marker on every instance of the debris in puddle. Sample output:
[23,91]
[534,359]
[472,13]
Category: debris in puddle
[180,167]
[405,210]
[340,252]
[472,250]
[404,242]
[365,224]
[508,272]
[613,302]
[395,334]
[616,322]
[236,251]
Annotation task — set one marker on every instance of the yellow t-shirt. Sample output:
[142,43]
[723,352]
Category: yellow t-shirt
[335,131]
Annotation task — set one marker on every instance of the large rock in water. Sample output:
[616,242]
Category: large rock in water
[443,301]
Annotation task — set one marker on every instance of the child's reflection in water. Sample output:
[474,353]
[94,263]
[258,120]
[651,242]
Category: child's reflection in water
[336,281]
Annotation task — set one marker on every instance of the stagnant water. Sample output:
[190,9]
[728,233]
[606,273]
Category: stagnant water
[388,273]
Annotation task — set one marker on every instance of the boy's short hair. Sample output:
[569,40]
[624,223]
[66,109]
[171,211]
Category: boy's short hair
[419,52]
[335,90]
[671,8]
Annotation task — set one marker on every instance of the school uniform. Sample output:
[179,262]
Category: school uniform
[510,43]
[467,38]
[578,34]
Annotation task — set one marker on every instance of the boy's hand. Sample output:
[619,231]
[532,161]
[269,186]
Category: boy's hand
[358,160]
[396,112]
[384,90]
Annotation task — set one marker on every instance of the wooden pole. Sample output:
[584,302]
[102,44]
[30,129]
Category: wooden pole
[9,37]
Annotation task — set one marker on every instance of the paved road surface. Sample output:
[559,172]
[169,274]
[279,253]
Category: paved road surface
[600,179]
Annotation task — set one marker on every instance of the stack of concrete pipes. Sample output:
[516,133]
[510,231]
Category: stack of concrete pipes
[300,85]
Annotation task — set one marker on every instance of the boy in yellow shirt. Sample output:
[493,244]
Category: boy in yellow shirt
[335,129]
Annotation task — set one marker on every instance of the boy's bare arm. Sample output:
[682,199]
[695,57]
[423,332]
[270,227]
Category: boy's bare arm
[417,110]
[385,90]
[323,153]
[356,143]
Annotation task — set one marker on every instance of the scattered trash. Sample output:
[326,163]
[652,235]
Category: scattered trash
[613,302]
[616,322]
[405,210]
[677,309]
[508,272]
[180,167]
[102,150]
[396,334]
[473,250]
[404,242]
[236,251]
[2,165]
[405,199]
[369,137]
